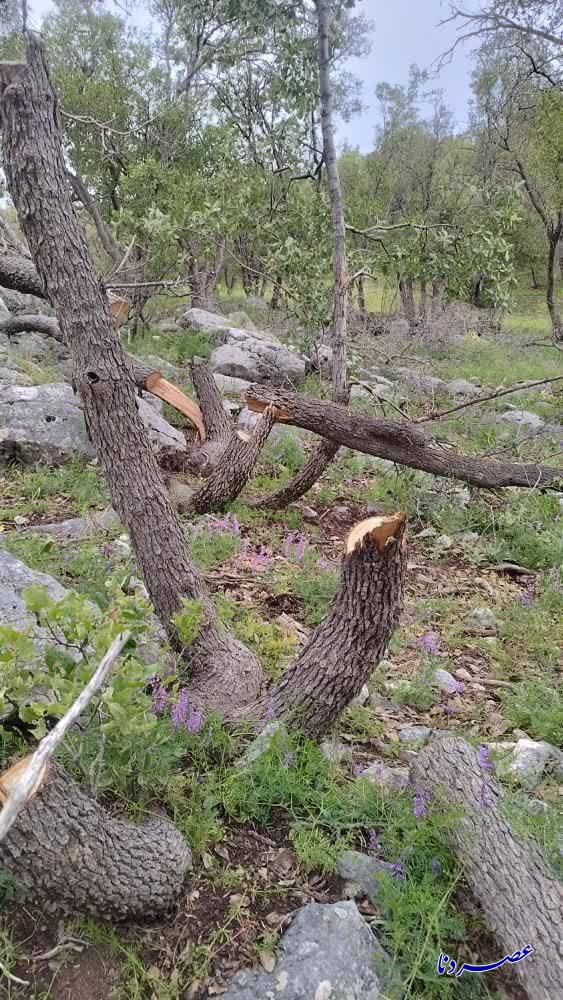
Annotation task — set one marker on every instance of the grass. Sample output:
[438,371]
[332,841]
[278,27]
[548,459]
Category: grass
[66,490]
[81,567]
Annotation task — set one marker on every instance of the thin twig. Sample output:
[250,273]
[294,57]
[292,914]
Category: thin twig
[28,782]
[13,979]
[437,414]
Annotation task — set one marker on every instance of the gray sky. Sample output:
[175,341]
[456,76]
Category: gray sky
[405,32]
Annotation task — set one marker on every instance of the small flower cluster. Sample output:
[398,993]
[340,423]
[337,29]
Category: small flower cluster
[159,696]
[420,804]
[183,715]
[294,546]
[429,643]
[261,558]
[527,597]
[223,525]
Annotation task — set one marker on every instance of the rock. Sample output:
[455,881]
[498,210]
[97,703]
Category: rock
[202,319]
[257,360]
[18,302]
[15,577]
[396,778]
[522,418]
[415,734]
[36,346]
[165,368]
[328,953]
[241,320]
[528,762]
[10,376]
[166,325]
[462,387]
[362,697]
[483,618]
[335,753]
[233,386]
[427,533]
[45,423]
[428,385]
[308,514]
[446,682]
[376,390]
[463,674]
[260,744]
[363,871]
[323,358]
[4,311]
[80,527]
[444,542]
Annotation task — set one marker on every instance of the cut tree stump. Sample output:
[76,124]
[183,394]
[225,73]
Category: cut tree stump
[65,847]
[348,644]
[521,899]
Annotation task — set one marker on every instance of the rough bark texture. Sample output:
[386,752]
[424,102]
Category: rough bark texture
[348,644]
[20,275]
[395,440]
[32,321]
[302,482]
[407,299]
[65,846]
[522,900]
[102,373]
[554,314]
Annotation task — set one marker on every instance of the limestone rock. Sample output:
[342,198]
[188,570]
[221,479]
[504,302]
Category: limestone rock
[522,418]
[328,953]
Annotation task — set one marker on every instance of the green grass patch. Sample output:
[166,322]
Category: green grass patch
[69,489]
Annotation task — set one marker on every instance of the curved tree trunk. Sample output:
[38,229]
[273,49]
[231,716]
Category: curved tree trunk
[554,314]
[302,482]
[103,374]
[522,900]
[65,846]
[398,441]
[349,643]
[362,301]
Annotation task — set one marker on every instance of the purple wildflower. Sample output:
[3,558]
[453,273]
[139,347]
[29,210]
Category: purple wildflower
[357,770]
[429,643]
[419,804]
[180,709]
[300,547]
[194,722]
[270,714]
[448,709]
[261,558]
[324,563]
[287,543]
[398,870]
[159,698]
[484,759]
[372,841]
[527,596]
[243,554]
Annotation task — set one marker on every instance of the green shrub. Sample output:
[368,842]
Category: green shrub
[536,707]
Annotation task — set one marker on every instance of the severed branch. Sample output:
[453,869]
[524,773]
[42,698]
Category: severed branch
[21,782]
[397,441]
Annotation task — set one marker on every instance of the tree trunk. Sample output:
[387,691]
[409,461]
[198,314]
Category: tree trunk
[349,643]
[362,300]
[340,389]
[422,307]
[406,292]
[535,284]
[436,305]
[395,440]
[302,482]
[275,303]
[554,314]
[104,377]
[65,846]
[521,899]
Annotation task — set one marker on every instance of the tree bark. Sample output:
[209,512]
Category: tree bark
[348,644]
[521,899]
[554,314]
[104,377]
[406,292]
[396,441]
[302,482]
[104,232]
[65,846]
[423,305]
[362,301]
[436,305]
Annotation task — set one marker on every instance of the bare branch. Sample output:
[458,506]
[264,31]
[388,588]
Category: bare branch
[438,414]
[29,780]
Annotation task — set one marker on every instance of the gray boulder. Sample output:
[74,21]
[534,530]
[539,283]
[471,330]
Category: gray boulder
[246,357]
[529,759]
[79,527]
[166,325]
[522,418]
[15,577]
[328,953]
[11,376]
[232,386]
[462,387]
[363,871]
[427,385]
[394,778]
[202,319]
[18,302]
[4,311]
[45,423]
[34,346]
[240,319]
[415,734]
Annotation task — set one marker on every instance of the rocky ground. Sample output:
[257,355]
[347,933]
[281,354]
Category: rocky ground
[316,873]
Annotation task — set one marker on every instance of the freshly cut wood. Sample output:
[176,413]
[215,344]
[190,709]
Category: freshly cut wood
[521,899]
[396,440]
[348,644]
[165,390]
[66,847]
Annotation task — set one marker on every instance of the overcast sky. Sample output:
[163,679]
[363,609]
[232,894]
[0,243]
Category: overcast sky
[404,32]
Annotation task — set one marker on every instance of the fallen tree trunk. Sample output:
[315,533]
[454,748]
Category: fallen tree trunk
[521,899]
[349,643]
[302,481]
[395,440]
[65,846]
